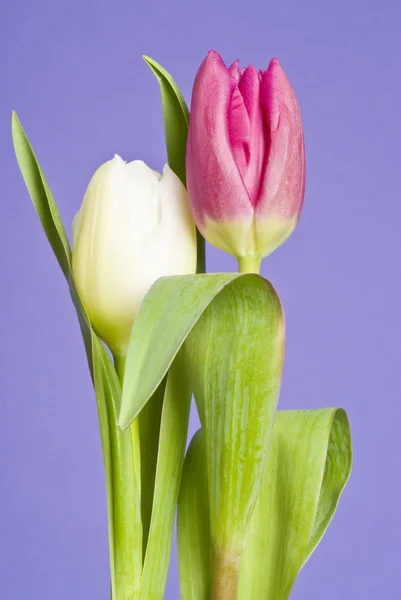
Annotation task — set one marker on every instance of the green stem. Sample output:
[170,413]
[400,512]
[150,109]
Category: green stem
[201,253]
[249,264]
[119,364]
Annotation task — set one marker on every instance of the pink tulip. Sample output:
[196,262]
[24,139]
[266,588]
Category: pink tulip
[245,158]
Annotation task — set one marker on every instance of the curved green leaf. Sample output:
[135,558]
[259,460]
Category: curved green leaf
[308,465]
[193,526]
[337,470]
[41,196]
[172,441]
[176,120]
[167,314]
[234,357]
[307,468]
[125,528]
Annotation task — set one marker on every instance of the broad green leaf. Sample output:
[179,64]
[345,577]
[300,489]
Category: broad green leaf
[234,356]
[172,441]
[308,465]
[176,120]
[167,314]
[125,539]
[193,527]
[41,197]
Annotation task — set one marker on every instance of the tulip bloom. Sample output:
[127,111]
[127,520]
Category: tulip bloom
[133,227]
[245,158]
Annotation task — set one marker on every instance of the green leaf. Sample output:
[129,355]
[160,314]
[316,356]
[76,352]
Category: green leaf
[41,197]
[193,526]
[176,120]
[122,491]
[308,466]
[166,316]
[149,433]
[337,470]
[234,357]
[125,538]
[172,441]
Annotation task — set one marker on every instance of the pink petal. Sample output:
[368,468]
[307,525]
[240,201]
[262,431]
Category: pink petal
[283,183]
[234,70]
[239,129]
[250,90]
[215,186]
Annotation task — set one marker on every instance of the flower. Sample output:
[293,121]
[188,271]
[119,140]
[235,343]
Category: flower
[245,157]
[133,227]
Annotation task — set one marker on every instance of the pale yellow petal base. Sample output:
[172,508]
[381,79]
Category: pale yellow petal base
[249,241]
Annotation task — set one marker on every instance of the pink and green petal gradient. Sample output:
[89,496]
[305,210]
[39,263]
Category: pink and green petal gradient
[218,193]
[245,157]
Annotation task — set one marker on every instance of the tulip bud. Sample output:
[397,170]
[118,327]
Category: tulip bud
[245,158]
[133,227]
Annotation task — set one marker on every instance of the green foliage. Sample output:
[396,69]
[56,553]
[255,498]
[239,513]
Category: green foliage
[308,465]
[175,116]
[233,329]
[234,357]
[172,443]
[193,524]
[176,122]
[125,527]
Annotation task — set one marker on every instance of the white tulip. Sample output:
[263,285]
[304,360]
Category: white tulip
[133,227]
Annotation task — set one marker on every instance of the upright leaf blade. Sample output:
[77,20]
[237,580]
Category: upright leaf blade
[193,526]
[176,121]
[122,490]
[149,432]
[125,542]
[308,466]
[176,118]
[234,357]
[337,470]
[172,441]
[41,196]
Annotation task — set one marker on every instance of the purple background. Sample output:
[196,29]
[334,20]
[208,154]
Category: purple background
[73,70]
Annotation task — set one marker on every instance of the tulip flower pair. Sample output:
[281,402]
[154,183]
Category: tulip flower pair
[218,336]
[246,181]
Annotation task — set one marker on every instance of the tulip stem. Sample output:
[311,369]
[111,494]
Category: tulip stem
[201,253]
[119,364]
[249,264]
